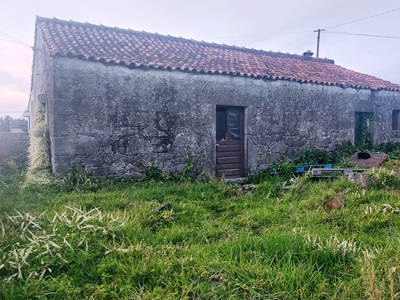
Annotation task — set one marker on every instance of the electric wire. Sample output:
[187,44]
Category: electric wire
[10,41]
[362,19]
[15,43]
[364,34]
[296,41]
[346,23]
[326,44]
[9,38]
[326,30]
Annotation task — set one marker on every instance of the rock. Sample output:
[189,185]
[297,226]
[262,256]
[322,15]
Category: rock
[356,177]
[247,189]
[335,202]
[166,206]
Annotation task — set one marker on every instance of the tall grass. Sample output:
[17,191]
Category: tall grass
[38,154]
[87,238]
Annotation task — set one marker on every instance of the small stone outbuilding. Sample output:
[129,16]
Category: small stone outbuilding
[119,100]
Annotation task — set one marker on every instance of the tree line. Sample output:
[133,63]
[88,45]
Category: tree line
[6,122]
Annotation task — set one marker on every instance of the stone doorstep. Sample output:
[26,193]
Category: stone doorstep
[235,180]
[374,161]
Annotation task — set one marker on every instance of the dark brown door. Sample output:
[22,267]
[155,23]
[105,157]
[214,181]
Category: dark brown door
[230,141]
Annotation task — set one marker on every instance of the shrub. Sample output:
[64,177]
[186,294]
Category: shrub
[312,156]
[383,178]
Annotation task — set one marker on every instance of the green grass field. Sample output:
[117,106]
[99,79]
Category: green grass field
[88,238]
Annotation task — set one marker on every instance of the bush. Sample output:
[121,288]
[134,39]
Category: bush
[383,178]
[312,157]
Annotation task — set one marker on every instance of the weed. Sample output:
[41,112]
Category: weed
[383,178]
[153,173]
[312,156]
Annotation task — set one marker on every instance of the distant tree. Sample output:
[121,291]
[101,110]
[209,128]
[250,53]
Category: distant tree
[5,124]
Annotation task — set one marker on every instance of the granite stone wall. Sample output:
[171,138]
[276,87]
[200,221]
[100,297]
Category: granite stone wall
[117,121]
[42,77]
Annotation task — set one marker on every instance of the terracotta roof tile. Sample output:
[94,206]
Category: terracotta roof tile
[151,50]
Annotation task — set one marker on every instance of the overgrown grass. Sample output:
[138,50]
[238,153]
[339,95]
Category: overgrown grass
[38,154]
[83,237]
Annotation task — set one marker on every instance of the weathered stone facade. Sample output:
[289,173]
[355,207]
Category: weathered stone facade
[116,121]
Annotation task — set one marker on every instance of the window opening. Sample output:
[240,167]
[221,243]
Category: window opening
[396,120]
[229,123]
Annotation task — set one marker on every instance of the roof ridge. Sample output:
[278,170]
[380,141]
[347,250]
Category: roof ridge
[190,40]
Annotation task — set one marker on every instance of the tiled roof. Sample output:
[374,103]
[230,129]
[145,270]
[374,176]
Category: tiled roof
[136,49]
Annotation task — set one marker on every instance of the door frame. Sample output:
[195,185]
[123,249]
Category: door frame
[235,144]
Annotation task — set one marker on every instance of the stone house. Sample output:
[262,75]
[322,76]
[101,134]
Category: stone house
[19,125]
[120,100]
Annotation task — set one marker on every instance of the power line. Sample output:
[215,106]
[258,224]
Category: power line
[296,41]
[364,34]
[326,44]
[18,47]
[386,12]
[360,34]
[14,40]
[10,41]
[358,20]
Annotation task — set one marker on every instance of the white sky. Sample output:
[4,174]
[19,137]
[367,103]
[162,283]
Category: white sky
[285,26]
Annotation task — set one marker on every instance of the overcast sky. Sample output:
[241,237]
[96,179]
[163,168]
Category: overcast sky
[285,26]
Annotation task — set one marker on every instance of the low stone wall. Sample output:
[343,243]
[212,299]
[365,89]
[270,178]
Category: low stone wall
[13,145]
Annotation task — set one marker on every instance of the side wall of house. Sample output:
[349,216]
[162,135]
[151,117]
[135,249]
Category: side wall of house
[116,121]
[42,75]
[384,103]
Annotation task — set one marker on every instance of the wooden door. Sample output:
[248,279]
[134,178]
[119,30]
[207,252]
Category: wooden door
[230,142]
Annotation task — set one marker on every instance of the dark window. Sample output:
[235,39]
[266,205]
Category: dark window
[229,123]
[396,120]
[221,125]
[234,124]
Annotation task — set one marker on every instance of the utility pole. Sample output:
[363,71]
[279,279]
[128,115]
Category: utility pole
[319,35]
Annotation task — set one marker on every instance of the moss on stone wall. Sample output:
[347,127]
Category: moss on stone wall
[38,151]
